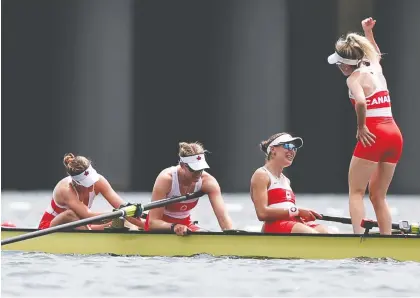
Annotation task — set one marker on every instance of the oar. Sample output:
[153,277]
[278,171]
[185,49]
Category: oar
[347,220]
[127,211]
[368,223]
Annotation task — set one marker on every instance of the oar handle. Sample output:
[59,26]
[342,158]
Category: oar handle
[368,224]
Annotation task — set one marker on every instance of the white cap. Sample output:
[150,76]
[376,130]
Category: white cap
[285,139]
[87,178]
[195,162]
[335,58]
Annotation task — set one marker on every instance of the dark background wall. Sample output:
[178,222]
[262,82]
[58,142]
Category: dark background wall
[122,82]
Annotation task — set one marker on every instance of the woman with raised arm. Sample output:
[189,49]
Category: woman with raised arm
[73,195]
[379,140]
[273,198]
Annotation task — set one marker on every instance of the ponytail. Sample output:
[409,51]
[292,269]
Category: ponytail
[358,41]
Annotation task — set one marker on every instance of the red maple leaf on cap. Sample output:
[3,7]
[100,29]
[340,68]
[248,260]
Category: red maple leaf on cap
[86,173]
[199,157]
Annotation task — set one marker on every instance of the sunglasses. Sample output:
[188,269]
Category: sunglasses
[192,171]
[289,146]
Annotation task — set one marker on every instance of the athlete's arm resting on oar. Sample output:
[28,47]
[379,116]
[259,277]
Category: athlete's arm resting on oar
[212,188]
[105,188]
[161,188]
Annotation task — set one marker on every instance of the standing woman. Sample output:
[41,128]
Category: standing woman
[379,140]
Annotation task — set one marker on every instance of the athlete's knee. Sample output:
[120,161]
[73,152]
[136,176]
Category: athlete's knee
[301,228]
[377,199]
[70,215]
[357,191]
[322,229]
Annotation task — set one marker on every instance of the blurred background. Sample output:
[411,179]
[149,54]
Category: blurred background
[123,82]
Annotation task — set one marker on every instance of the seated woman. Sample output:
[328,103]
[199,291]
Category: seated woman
[273,198]
[186,177]
[73,196]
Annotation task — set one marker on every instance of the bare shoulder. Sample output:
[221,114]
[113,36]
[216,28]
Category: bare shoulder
[260,175]
[102,180]
[209,181]
[164,180]
[165,175]
[63,191]
[102,184]
[355,76]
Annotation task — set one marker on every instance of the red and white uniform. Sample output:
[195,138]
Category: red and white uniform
[280,195]
[379,120]
[55,209]
[179,213]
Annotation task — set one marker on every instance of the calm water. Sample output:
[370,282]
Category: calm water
[44,275]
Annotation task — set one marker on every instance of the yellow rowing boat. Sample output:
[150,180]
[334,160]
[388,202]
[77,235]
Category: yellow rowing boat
[234,244]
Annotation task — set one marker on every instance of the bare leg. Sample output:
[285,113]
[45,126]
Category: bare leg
[360,172]
[66,217]
[301,228]
[378,188]
[322,229]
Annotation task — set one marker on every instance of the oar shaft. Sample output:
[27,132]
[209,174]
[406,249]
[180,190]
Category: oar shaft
[343,220]
[74,224]
[347,220]
[164,202]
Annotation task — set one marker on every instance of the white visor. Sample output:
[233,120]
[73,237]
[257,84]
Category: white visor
[87,178]
[195,162]
[335,58]
[285,139]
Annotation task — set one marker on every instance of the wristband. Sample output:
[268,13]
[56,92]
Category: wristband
[173,227]
[293,211]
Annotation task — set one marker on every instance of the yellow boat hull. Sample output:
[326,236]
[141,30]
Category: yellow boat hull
[242,244]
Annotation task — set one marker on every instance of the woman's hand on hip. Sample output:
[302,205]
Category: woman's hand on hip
[365,136]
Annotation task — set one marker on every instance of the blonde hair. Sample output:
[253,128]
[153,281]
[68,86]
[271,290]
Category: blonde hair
[188,149]
[75,164]
[357,47]
[264,144]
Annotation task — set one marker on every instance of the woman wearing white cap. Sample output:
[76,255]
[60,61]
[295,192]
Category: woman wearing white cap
[73,195]
[380,141]
[273,198]
[187,177]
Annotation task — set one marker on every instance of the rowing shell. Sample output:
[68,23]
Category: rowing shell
[233,243]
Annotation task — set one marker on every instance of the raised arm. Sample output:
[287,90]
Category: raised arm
[212,188]
[161,188]
[104,187]
[367,25]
